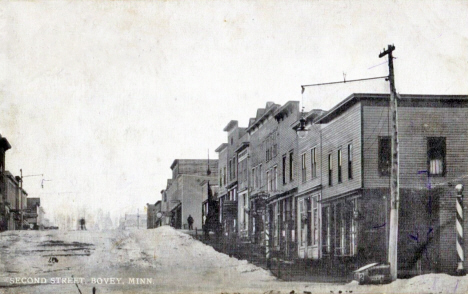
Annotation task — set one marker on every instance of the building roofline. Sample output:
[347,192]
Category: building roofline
[286,107]
[267,112]
[174,163]
[356,97]
[310,116]
[221,147]
[232,124]
[9,175]
[198,159]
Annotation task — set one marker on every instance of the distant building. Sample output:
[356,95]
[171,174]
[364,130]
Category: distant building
[184,194]
[150,216]
[154,215]
[133,221]
[34,214]
[4,205]
[158,214]
[16,199]
[222,174]
[165,205]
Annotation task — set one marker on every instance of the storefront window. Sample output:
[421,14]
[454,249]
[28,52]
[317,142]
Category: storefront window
[345,226]
[303,217]
[326,228]
[338,229]
[315,220]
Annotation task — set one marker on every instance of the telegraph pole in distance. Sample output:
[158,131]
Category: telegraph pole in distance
[395,173]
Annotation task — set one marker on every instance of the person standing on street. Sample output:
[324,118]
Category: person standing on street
[82,224]
[190,222]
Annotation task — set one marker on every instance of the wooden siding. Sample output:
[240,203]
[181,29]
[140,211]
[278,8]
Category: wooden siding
[415,125]
[257,152]
[337,134]
[222,167]
[287,141]
[305,145]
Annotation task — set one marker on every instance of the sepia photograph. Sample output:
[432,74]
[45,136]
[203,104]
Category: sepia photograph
[233,146]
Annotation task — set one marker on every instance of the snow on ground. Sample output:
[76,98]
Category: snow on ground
[168,261]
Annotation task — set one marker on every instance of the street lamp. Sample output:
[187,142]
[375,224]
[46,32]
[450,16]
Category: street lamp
[302,131]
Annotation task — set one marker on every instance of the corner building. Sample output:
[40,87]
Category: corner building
[343,198]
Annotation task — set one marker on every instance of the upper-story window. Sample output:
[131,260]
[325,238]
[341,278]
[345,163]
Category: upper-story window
[350,161]
[224,176]
[304,167]
[283,168]
[240,171]
[260,177]
[257,178]
[252,178]
[271,147]
[275,177]
[268,181]
[330,169]
[291,166]
[385,155]
[436,152]
[234,167]
[313,162]
[245,169]
[340,178]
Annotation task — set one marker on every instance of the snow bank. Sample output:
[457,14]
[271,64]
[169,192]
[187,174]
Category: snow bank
[180,249]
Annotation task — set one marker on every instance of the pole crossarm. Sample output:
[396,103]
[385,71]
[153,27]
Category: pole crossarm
[39,175]
[344,81]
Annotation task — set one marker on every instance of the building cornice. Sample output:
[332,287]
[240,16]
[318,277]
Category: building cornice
[263,117]
[231,125]
[221,147]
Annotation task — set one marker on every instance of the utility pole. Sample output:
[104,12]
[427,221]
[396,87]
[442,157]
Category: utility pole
[395,173]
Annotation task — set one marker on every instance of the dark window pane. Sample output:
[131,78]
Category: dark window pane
[436,149]
[385,151]
[350,161]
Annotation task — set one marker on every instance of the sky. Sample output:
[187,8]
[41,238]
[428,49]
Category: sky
[101,96]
